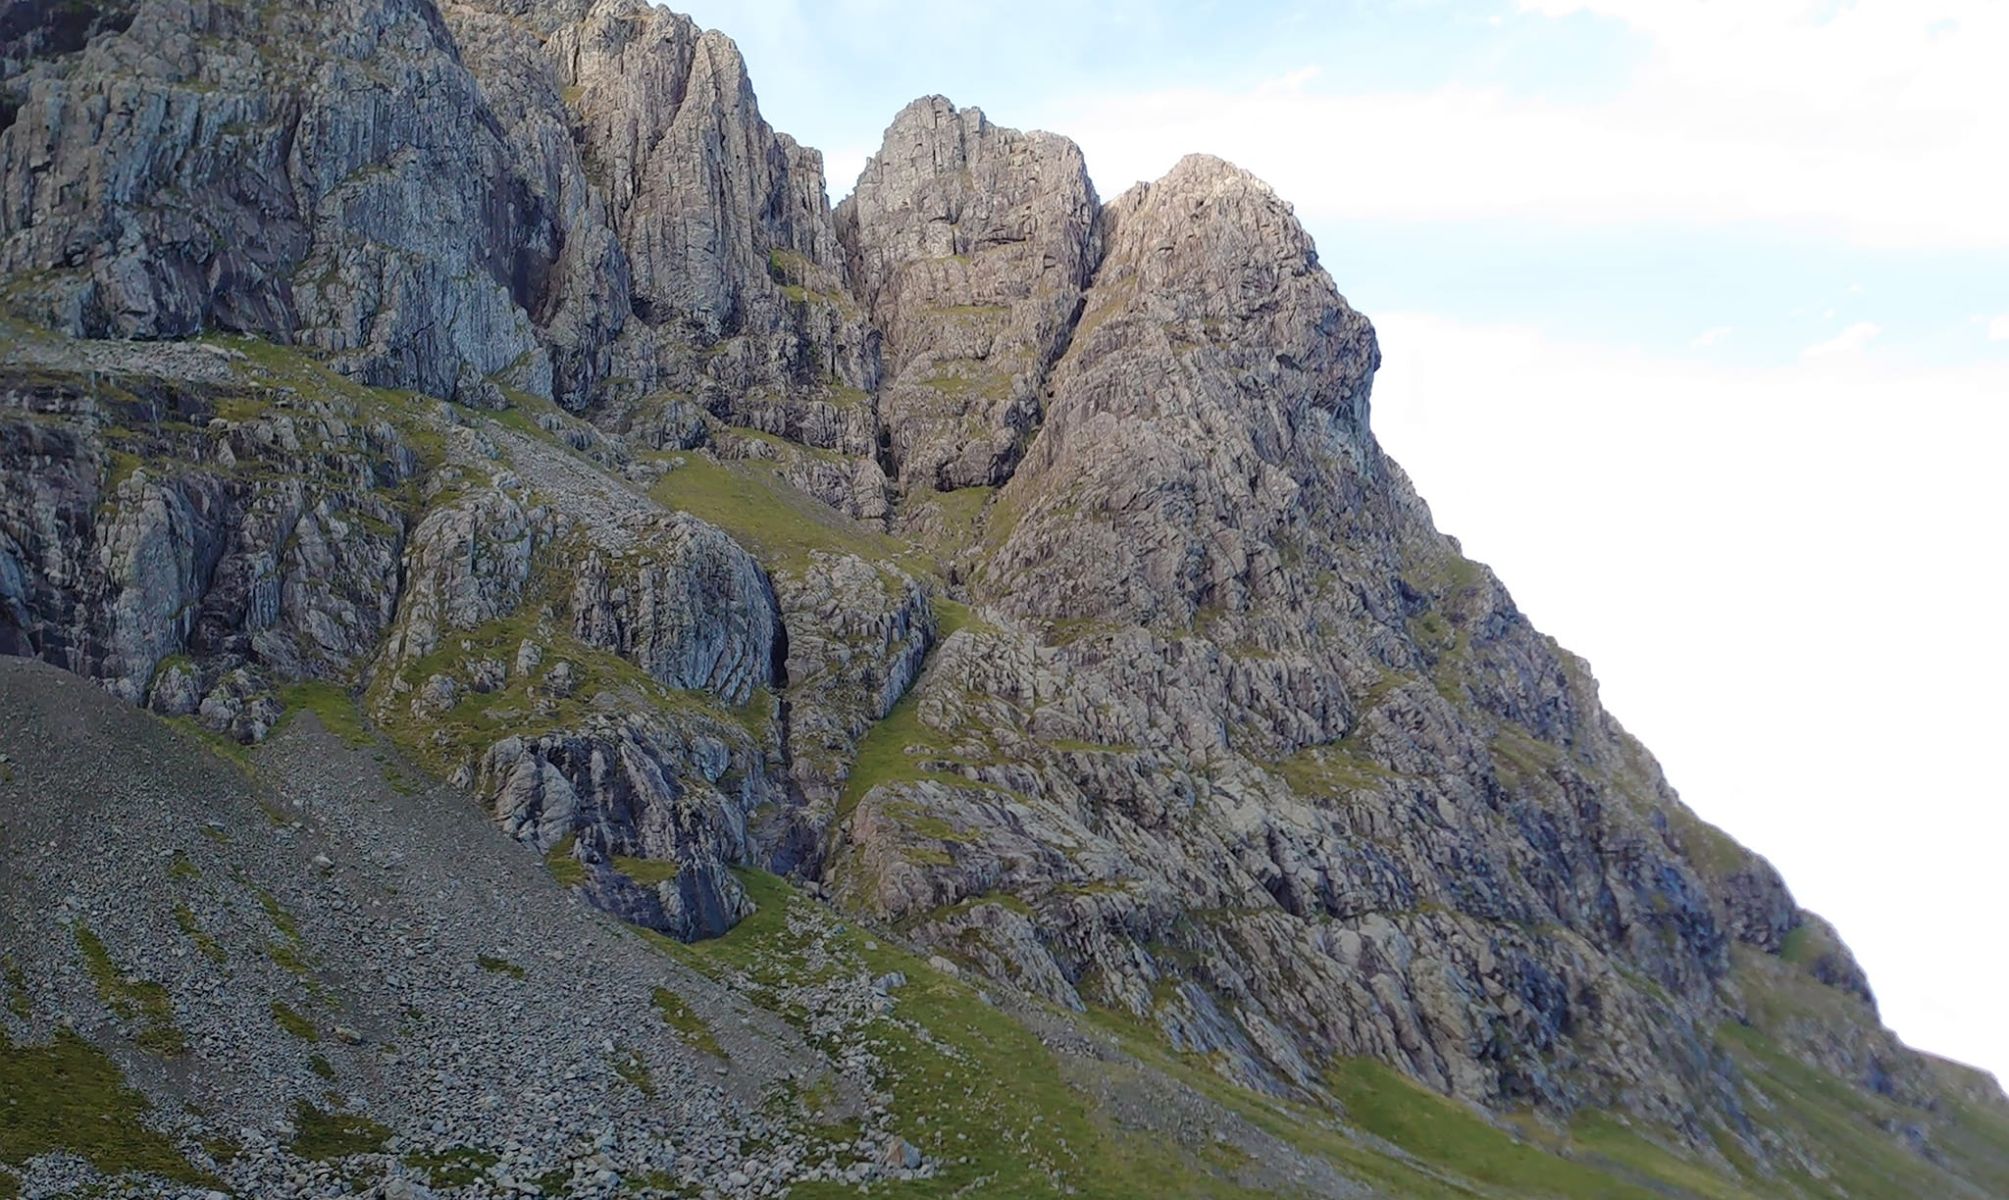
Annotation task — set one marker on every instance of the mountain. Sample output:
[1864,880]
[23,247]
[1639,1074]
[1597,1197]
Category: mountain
[638,682]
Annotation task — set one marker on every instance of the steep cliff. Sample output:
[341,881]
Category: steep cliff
[1018,573]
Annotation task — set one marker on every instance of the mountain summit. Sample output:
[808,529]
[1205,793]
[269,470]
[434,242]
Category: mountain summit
[659,687]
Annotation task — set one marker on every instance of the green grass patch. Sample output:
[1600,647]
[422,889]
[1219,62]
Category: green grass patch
[1000,1116]
[293,1022]
[184,917]
[629,1066]
[952,616]
[68,1096]
[1798,946]
[323,1136]
[564,865]
[498,966]
[1522,759]
[288,957]
[968,379]
[887,752]
[680,1016]
[1330,772]
[1443,1132]
[1601,1141]
[649,872]
[958,517]
[782,525]
[453,1168]
[337,711]
[229,749]
[275,912]
[138,1001]
[1848,1128]
[18,1002]
[320,1065]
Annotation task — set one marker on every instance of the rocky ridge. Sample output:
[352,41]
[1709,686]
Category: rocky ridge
[1017,570]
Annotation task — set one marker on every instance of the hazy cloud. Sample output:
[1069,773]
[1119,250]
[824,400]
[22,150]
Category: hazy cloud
[1848,341]
[1889,132]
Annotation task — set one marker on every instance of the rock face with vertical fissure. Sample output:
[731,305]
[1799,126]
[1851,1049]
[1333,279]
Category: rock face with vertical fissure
[971,244]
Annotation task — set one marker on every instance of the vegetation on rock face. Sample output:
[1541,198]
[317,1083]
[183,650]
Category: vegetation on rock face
[780,524]
[972,1087]
[979,1091]
[564,864]
[886,754]
[648,872]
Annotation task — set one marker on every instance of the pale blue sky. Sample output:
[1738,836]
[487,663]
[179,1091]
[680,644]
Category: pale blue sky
[1696,324]
[833,74]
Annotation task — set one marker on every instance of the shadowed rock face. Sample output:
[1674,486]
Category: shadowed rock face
[449,197]
[1021,569]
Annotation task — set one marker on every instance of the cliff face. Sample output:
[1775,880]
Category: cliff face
[1018,570]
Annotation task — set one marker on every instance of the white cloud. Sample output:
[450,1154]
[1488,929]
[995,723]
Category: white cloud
[1849,341]
[1750,557]
[1872,123]
[1998,328]
[1711,336]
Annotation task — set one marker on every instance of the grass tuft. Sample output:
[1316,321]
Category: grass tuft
[679,1015]
[139,1001]
[564,865]
[324,1136]
[499,966]
[292,1022]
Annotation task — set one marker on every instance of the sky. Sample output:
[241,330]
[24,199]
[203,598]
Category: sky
[1695,324]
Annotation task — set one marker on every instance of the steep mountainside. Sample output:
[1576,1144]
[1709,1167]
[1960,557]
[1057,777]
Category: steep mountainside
[1009,574]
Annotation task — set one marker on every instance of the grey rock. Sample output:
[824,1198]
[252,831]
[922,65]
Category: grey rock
[691,607]
[972,244]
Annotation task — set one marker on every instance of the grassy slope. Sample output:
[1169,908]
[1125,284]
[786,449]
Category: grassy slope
[979,1090]
[972,1087]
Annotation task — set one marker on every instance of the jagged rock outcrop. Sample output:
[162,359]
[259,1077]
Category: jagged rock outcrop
[581,673]
[692,609]
[161,536]
[457,198]
[1253,753]
[972,245]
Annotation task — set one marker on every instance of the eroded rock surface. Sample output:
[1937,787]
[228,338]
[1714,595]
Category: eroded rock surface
[972,245]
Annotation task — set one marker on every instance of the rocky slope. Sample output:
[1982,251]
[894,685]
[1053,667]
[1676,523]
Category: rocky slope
[1015,571]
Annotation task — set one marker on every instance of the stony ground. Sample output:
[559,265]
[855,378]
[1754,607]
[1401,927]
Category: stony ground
[328,976]
[433,978]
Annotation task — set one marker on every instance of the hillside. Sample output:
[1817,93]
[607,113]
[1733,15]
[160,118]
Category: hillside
[613,676]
